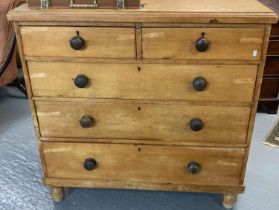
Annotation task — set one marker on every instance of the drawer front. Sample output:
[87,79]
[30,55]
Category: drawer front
[275,30]
[270,88]
[138,120]
[139,163]
[97,42]
[273,47]
[224,43]
[150,81]
[272,66]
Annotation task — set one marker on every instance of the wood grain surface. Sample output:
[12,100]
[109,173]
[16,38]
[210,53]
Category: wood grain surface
[150,121]
[156,11]
[144,81]
[106,42]
[139,163]
[224,43]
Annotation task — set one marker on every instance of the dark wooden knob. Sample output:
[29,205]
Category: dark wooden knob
[202,44]
[196,124]
[199,83]
[193,167]
[87,121]
[81,81]
[90,164]
[77,42]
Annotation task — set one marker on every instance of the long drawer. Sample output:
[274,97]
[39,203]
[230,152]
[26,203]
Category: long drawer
[142,163]
[222,43]
[143,120]
[145,81]
[97,42]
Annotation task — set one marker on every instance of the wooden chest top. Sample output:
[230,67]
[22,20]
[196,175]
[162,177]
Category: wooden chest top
[187,11]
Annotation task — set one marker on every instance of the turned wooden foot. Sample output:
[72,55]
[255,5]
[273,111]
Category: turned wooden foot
[57,193]
[229,200]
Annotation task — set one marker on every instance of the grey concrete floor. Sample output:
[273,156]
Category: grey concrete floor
[21,186]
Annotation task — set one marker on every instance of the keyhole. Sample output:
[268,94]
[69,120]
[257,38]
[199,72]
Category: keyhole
[139,69]
[139,108]
[77,33]
[203,34]
[139,149]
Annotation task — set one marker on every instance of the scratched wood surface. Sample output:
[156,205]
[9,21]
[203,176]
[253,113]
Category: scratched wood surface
[224,43]
[100,42]
[139,163]
[137,120]
[144,81]
[156,11]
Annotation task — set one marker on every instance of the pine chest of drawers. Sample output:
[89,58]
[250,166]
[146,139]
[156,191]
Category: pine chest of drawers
[160,98]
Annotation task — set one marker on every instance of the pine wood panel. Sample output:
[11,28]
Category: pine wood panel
[182,11]
[141,61]
[150,120]
[135,102]
[101,42]
[224,43]
[143,185]
[256,99]
[144,81]
[143,142]
[29,90]
[142,163]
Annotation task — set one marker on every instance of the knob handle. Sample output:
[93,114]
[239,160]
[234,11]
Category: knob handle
[77,42]
[193,168]
[199,83]
[202,44]
[196,124]
[87,121]
[81,81]
[90,164]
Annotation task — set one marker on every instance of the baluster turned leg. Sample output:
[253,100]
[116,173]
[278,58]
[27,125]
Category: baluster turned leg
[57,193]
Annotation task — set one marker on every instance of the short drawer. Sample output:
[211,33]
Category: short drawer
[223,43]
[143,163]
[145,81]
[275,30]
[97,42]
[162,121]
[272,66]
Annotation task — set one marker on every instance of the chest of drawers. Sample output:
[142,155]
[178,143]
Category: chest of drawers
[161,98]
